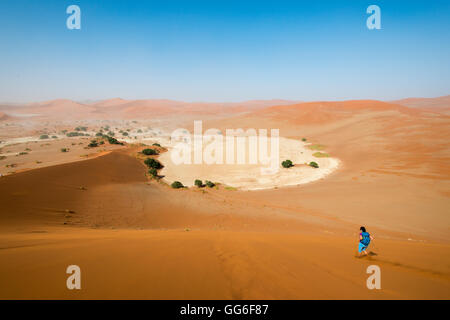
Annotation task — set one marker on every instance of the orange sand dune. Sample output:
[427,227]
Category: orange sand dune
[57,108]
[118,108]
[325,112]
[434,104]
[110,102]
[138,239]
[394,164]
[3,116]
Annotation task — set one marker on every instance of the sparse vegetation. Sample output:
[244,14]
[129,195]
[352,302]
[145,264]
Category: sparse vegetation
[198,183]
[321,155]
[317,147]
[157,145]
[153,163]
[150,152]
[93,144]
[304,139]
[22,153]
[112,140]
[177,185]
[210,184]
[76,134]
[64,150]
[287,164]
[125,133]
[313,164]
[153,172]
[44,136]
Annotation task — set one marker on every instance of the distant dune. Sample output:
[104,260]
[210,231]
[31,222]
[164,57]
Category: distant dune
[60,108]
[435,104]
[325,112]
[110,102]
[118,108]
[315,112]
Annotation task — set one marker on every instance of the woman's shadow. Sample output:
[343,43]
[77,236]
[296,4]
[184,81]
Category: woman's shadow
[368,255]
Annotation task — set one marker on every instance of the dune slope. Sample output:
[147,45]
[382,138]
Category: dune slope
[186,244]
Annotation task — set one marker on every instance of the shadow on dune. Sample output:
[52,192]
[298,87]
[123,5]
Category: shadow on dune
[111,191]
[48,194]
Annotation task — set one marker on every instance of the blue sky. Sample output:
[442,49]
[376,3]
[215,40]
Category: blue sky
[223,50]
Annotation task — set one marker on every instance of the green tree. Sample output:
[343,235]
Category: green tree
[313,164]
[93,144]
[198,183]
[177,185]
[112,140]
[153,163]
[287,164]
[153,172]
[150,152]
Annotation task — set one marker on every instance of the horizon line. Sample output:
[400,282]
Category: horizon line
[93,101]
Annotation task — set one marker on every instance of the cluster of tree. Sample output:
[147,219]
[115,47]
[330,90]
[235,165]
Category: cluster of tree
[288,164]
[112,140]
[199,184]
[77,134]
